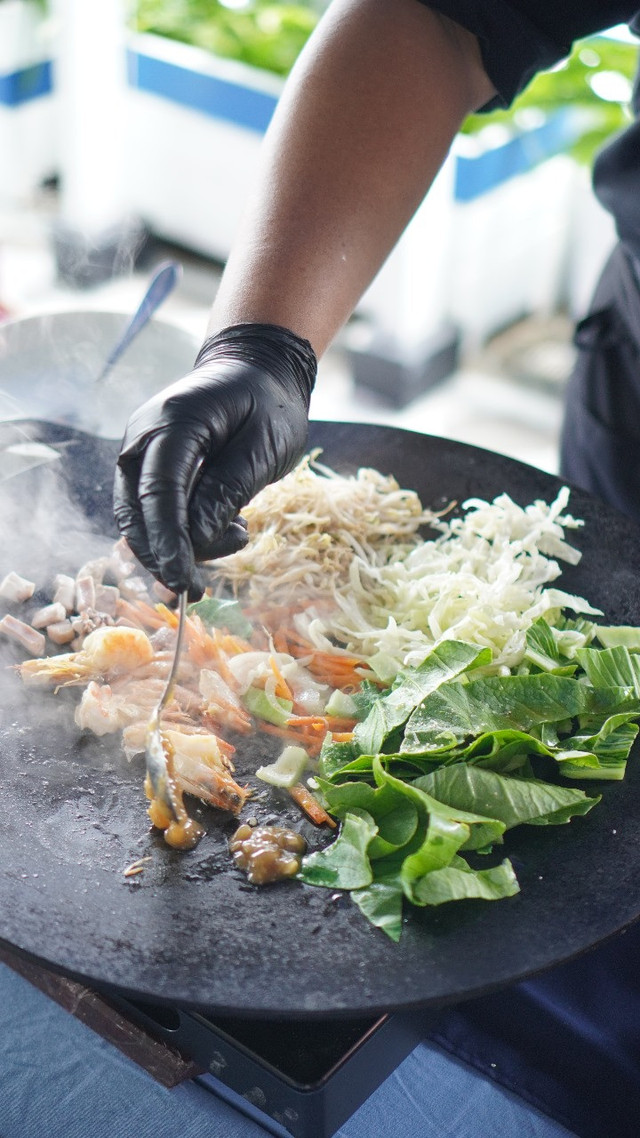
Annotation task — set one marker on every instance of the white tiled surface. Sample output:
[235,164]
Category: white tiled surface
[482,404]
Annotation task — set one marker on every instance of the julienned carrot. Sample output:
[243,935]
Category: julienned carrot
[306,720]
[273,729]
[327,722]
[292,732]
[336,668]
[156,616]
[312,808]
[312,742]
[337,659]
[234,645]
[280,643]
[283,691]
[144,616]
[205,648]
[339,670]
[126,611]
[293,643]
[169,617]
[340,680]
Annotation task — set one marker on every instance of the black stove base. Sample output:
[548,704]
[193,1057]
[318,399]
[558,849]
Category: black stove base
[298,1078]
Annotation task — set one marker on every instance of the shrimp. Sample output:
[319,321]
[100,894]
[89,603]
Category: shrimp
[102,710]
[200,766]
[222,706]
[108,651]
[106,708]
[200,769]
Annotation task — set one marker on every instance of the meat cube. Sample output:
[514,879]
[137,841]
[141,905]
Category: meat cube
[23,634]
[88,620]
[107,599]
[85,593]
[16,588]
[134,588]
[95,569]
[62,632]
[122,562]
[50,614]
[64,591]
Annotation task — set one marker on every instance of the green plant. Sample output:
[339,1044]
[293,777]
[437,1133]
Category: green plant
[269,34]
[595,80]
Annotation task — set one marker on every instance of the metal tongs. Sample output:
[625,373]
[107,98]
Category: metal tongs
[180,830]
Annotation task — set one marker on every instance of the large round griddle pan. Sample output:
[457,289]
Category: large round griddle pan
[190,931]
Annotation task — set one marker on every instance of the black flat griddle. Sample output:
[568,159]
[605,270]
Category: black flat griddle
[190,931]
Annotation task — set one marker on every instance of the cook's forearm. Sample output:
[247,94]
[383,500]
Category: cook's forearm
[365,123]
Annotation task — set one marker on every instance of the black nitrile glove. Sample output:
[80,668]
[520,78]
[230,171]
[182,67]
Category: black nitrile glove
[199,450]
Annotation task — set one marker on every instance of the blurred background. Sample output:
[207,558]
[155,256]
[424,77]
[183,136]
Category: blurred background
[129,136]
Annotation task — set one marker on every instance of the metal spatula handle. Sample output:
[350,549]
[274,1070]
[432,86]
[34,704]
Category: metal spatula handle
[162,283]
[155,754]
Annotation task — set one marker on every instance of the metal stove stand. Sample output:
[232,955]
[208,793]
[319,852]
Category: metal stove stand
[298,1078]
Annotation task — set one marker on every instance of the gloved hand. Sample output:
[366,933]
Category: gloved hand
[199,450]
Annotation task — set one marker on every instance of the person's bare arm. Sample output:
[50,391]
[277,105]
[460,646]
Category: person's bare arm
[365,122]
[363,127]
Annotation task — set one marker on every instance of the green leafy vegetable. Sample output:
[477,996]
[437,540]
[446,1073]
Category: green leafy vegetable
[612,635]
[444,762]
[410,688]
[395,813]
[495,703]
[381,904]
[220,613]
[601,755]
[611,668]
[458,882]
[513,800]
[344,864]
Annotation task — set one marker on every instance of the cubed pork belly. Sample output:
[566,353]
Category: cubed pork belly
[16,588]
[49,614]
[33,641]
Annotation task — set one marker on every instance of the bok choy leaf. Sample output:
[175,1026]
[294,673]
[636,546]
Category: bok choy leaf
[445,762]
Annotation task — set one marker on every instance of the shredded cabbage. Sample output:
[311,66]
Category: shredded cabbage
[483,581]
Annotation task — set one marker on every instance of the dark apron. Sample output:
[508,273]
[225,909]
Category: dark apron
[600,446]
